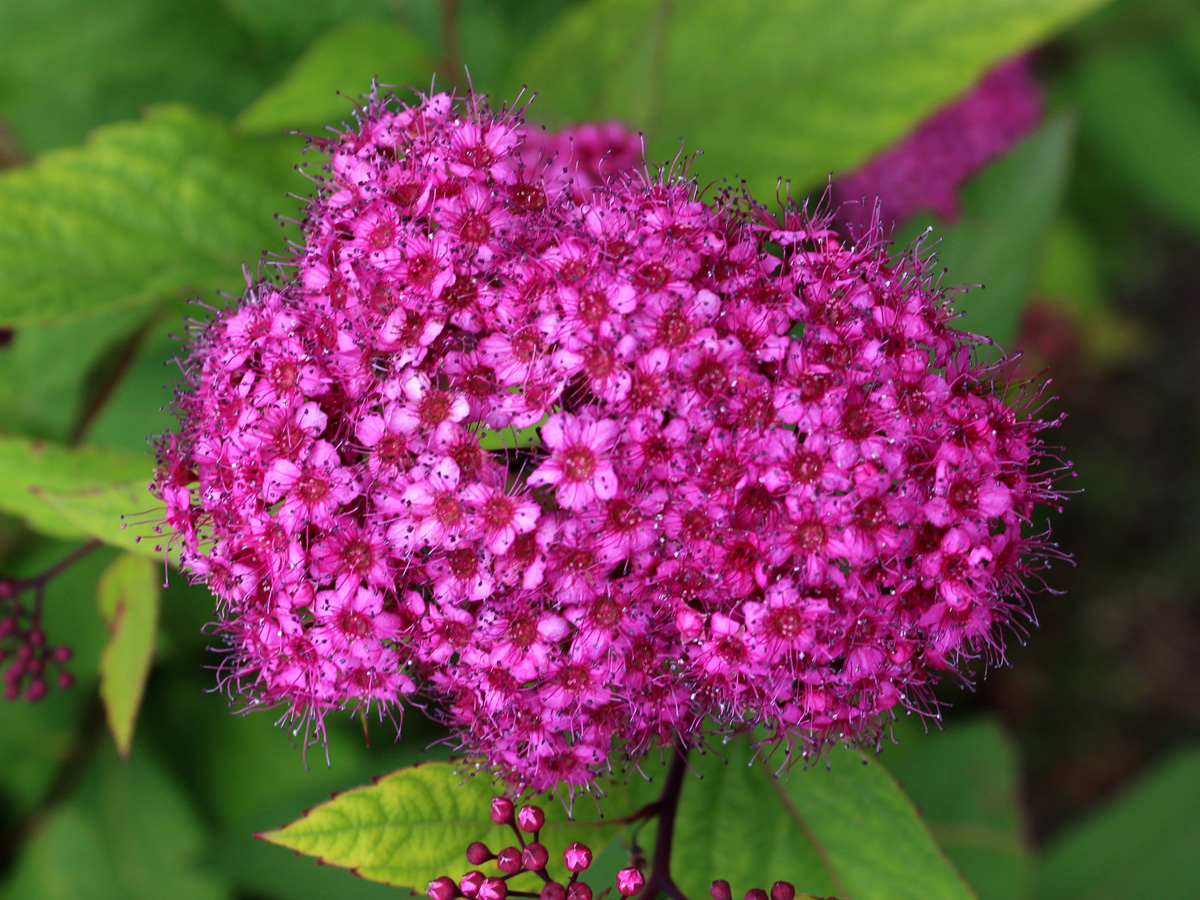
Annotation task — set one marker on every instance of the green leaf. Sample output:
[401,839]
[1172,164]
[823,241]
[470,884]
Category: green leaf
[415,824]
[63,492]
[777,88]
[294,24]
[966,784]
[146,210]
[126,833]
[1145,121]
[128,596]
[47,371]
[345,60]
[69,66]
[1001,237]
[846,830]
[122,514]
[1141,845]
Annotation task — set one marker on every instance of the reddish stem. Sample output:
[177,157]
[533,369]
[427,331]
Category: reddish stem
[666,808]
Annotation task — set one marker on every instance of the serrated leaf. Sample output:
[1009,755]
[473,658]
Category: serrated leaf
[128,597]
[1143,844]
[168,206]
[415,824]
[48,485]
[847,830]
[1000,239]
[966,784]
[345,60]
[778,88]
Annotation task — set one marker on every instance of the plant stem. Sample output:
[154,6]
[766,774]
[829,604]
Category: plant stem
[38,581]
[666,809]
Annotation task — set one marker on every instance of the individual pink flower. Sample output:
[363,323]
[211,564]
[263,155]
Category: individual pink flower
[578,467]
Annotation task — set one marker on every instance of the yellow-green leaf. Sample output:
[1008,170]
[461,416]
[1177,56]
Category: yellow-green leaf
[414,825]
[791,89]
[169,206]
[128,596]
[74,492]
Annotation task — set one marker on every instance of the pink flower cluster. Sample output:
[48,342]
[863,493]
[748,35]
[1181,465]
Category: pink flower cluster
[591,153]
[926,169]
[586,473]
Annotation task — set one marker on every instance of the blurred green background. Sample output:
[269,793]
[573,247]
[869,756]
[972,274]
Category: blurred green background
[1073,772]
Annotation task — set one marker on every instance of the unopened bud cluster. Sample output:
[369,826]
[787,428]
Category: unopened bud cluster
[780,890]
[529,854]
[29,662]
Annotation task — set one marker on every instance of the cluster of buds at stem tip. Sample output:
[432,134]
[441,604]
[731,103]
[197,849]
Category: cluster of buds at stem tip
[28,661]
[780,890]
[529,854]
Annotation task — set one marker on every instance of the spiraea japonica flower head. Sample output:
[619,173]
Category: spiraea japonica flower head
[588,471]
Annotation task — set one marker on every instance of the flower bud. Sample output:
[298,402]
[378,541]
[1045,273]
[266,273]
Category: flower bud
[530,818]
[502,810]
[493,889]
[579,891]
[554,891]
[783,890]
[756,894]
[508,860]
[442,889]
[36,690]
[630,881]
[478,853]
[577,857]
[470,884]
[534,857]
[720,890]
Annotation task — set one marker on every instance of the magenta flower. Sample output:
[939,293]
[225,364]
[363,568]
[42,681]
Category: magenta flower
[749,473]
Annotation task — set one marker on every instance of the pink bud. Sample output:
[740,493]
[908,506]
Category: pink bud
[508,860]
[579,891]
[720,890]
[493,889]
[502,810]
[554,891]
[36,690]
[478,853]
[530,818]
[630,881]
[577,857]
[470,884]
[534,857]
[783,890]
[442,889]
[756,894]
